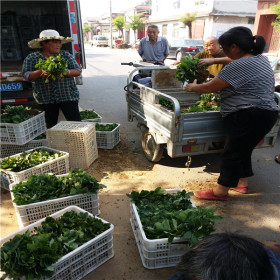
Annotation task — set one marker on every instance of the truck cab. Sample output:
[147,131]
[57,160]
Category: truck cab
[21,22]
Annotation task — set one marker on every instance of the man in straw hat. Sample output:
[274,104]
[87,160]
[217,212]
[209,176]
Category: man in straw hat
[56,94]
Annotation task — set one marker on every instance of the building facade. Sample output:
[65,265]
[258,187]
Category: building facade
[213,17]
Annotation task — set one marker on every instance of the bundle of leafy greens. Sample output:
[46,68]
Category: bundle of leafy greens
[56,66]
[88,114]
[28,160]
[188,70]
[105,127]
[32,255]
[17,114]
[45,187]
[172,215]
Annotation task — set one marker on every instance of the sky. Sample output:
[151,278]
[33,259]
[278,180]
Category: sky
[95,8]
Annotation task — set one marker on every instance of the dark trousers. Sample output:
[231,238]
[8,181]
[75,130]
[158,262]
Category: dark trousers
[245,129]
[70,110]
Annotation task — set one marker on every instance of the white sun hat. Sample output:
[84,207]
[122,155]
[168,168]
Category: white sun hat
[48,34]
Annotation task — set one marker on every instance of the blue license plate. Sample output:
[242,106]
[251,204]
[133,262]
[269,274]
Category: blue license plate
[11,86]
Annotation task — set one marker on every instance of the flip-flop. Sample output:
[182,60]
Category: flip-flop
[240,189]
[209,195]
[277,160]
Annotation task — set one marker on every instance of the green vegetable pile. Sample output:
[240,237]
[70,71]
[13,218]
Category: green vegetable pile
[28,160]
[208,102]
[56,66]
[32,255]
[88,114]
[105,127]
[45,187]
[17,114]
[188,70]
[172,215]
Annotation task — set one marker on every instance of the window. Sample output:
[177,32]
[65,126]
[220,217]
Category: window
[251,20]
[164,30]
[175,32]
[177,4]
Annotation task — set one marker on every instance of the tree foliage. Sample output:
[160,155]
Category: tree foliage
[119,23]
[276,10]
[86,29]
[187,21]
[135,23]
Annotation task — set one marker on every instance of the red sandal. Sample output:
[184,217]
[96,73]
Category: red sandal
[209,195]
[240,189]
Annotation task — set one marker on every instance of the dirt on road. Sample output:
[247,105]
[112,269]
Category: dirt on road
[124,169]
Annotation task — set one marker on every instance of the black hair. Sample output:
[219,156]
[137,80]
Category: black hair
[153,26]
[244,39]
[227,256]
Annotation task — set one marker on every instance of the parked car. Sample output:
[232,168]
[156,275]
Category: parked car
[179,48]
[99,41]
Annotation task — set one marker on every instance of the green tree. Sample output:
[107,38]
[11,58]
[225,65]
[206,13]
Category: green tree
[187,21]
[86,29]
[146,3]
[276,10]
[119,23]
[135,23]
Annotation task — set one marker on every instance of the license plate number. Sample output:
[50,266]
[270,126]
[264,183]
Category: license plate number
[11,86]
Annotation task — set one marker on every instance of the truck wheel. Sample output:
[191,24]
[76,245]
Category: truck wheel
[179,56]
[151,149]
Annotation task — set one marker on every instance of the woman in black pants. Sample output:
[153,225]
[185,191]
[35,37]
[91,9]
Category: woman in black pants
[248,108]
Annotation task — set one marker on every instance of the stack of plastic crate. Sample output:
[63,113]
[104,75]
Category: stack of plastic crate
[76,138]
[82,260]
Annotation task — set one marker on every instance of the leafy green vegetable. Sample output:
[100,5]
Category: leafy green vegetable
[28,160]
[188,70]
[105,127]
[166,103]
[45,187]
[56,66]
[88,114]
[32,255]
[17,114]
[172,215]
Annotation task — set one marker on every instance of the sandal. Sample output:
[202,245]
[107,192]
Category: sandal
[210,195]
[240,189]
[277,159]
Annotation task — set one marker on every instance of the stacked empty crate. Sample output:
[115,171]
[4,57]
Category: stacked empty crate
[76,138]
[104,139]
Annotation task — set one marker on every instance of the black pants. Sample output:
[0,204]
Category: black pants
[70,111]
[245,129]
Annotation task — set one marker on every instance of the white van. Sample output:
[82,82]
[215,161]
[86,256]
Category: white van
[99,40]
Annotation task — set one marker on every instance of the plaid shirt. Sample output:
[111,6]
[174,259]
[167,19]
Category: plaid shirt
[54,91]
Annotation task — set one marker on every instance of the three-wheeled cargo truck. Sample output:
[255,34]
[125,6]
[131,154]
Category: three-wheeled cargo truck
[181,134]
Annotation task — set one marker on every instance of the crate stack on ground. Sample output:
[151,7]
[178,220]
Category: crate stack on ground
[19,137]
[106,139]
[76,138]
[79,261]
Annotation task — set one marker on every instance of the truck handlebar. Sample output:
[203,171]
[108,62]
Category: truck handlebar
[127,63]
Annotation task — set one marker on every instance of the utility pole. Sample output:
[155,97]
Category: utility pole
[111,34]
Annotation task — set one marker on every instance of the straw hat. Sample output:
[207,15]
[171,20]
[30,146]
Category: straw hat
[48,34]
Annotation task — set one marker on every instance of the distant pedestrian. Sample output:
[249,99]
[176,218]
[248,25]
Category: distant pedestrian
[153,48]
[59,94]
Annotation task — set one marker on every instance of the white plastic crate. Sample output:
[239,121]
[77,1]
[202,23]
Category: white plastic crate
[21,133]
[4,182]
[8,150]
[156,253]
[98,119]
[30,213]
[56,166]
[84,259]
[108,139]
[76,138]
